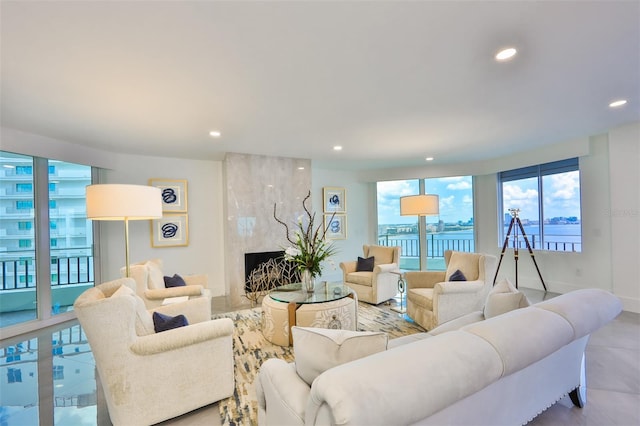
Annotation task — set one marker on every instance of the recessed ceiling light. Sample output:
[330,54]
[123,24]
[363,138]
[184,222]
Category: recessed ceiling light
[506,54]
[337,148]
[300,168]
[617,103]
[215,134]
[429,158]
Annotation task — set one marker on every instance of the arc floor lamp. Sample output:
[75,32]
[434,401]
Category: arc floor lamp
[125,203]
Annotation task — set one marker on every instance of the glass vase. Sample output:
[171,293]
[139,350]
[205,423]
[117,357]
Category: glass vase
[308,281]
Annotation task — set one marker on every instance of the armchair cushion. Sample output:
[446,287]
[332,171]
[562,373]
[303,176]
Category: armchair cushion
[174,281]
[317,349]
[361,278]
[504,297]
[382,255]
[457,276]
[144,323]
[162,322]
[365,264]
[467,263]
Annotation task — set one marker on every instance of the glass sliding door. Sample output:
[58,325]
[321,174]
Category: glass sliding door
[18,298]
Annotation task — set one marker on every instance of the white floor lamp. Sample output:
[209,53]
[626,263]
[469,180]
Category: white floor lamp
[417,205]
[123,202]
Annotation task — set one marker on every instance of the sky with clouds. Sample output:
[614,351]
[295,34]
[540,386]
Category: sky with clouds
[561,197]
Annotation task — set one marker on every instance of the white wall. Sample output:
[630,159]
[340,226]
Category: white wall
[204,254]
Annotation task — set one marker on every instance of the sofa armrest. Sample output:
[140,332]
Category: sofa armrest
[423,279]
[282,394]
[163,293]
[196,279]
[196,310]
[348,267]
[181,337]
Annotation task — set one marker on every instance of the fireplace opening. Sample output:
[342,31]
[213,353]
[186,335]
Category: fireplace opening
[266,270]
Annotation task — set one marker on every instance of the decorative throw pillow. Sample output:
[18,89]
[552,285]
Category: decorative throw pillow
[144,323]
[154,268]
[318,349]
[457,276]
[174,281]
[504,297]
[162,322]
[365,265]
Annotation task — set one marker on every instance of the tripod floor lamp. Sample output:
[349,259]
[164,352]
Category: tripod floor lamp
[417,205]
[125,203]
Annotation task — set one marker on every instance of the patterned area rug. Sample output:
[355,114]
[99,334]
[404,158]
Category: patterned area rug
[251,349]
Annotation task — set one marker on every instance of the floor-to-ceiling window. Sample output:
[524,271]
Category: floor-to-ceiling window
[452,229]
[45,238]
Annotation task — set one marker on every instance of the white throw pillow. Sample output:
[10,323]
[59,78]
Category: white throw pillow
[504,297]
[156,277]
[318,349]
[144,322]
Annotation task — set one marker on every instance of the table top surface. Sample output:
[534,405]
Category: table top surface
[324,292]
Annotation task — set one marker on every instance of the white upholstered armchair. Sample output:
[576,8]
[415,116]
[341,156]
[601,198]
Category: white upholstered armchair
[150,286]
[434,298]
[150,377]
[379,284]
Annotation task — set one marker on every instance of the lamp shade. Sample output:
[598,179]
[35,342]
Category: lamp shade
[420,205]
[123,202]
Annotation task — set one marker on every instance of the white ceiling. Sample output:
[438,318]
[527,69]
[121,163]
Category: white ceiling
[392,82]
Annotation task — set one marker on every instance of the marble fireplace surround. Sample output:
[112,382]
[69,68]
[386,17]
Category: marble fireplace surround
[253,183]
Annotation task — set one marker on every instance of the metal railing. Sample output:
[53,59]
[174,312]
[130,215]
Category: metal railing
[20,272]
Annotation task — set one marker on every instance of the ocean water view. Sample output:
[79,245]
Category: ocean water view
[557,237]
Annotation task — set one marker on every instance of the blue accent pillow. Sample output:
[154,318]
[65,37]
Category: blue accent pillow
[365,265]
[174,281]
[457,276]
[162,322]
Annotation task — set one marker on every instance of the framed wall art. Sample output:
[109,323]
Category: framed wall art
[336,226]
[170,231]
[174,194]
[334,199]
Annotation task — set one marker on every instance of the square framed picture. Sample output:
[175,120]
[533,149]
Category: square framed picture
[336,226]
[174,194]
[170,231]
[334,199]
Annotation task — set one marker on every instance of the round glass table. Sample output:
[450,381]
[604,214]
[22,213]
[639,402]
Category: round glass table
[289,298]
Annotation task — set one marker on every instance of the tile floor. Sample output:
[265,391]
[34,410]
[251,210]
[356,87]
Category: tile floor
[49,378]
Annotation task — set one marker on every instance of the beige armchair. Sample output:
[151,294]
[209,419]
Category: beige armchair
[432,299]
[378,285]
[150,286]
[150,377]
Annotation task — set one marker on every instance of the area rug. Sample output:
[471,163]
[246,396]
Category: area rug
[251,349]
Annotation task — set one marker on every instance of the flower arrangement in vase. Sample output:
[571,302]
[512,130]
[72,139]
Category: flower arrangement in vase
[309,246]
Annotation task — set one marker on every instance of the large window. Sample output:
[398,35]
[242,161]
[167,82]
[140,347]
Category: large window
[26,292]
[546,198]
[452,229]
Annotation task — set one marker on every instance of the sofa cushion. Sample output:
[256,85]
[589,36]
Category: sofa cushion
[457,276]
[365,264]
[144,323]
[174,281]
[504,297]
[423,297]
[318,349]
[382,255]
[467,263]
[162,322]
[361,278]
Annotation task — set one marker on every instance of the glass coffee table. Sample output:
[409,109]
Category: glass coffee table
[294,296]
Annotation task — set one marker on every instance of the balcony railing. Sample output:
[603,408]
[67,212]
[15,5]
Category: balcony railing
[19,273]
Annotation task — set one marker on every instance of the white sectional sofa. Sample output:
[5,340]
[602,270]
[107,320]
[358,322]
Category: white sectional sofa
[501,371]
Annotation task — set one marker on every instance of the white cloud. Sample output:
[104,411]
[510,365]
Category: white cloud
[461,185]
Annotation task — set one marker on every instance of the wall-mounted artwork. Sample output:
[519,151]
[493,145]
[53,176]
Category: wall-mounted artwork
[336,226]
[170,231]
[174,194]
[335,200]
